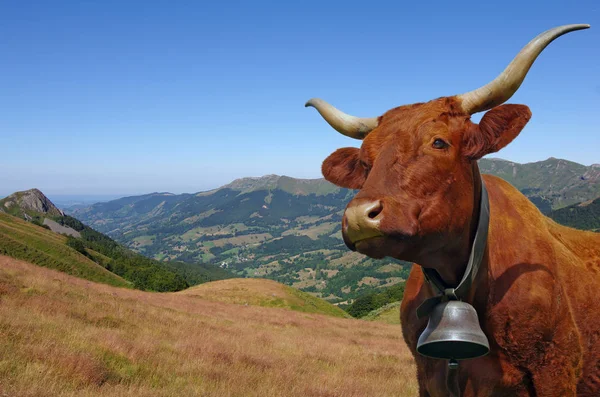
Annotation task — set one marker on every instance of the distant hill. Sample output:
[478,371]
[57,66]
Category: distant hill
[261,292]
[550,184]
[584,215]
[77,249]
[293,186]
[289,230]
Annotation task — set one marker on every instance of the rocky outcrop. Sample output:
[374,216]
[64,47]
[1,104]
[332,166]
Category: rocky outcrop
[60,229]
[30,201]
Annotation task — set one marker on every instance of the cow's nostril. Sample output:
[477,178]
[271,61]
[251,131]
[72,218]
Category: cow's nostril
[374,212]
[361,221]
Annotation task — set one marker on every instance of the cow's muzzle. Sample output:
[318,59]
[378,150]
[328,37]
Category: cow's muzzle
[362,221]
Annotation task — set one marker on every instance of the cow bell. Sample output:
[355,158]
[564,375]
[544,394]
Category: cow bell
[453,333]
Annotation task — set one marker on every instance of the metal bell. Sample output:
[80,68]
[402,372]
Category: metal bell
[453,332]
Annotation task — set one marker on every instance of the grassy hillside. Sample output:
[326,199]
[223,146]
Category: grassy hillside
[584,215]
[145,273]
[261,292]
[65,336]
[367,303]
[285,183]
[35,244]
[25,222]
[388,314]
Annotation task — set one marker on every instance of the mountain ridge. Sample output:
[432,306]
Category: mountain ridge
[270,181]
[289,230]
[518,175]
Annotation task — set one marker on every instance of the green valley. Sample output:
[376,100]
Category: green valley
[289,230]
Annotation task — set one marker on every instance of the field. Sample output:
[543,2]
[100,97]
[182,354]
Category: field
[65,336]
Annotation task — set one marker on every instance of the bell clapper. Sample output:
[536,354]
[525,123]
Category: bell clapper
[452,378]
[452,364]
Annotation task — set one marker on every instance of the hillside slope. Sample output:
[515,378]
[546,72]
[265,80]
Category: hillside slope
[140,272]
[581,215]
[261,292]
[388,314]
[69,337]
[32,243]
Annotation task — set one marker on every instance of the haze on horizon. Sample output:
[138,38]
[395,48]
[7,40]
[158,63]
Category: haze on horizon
[123,99]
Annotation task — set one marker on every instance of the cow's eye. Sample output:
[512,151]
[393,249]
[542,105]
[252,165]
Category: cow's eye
[439,144]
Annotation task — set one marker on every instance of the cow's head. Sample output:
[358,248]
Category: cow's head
[416,168]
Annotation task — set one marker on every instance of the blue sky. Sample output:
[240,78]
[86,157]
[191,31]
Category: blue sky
[115,97]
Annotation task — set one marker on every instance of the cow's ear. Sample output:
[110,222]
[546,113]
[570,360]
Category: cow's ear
[497,128]
[343,168]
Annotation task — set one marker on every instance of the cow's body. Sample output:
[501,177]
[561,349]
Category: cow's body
[420,188]
[537,297]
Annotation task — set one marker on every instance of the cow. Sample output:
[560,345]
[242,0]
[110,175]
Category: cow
[419,189]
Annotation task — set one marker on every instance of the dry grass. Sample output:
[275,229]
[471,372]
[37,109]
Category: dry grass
[306,278]
[265,269]
[388,282]
[243,239]
[262,292]
[211,230]
[390,267]
[372,281]
[64,336]
[313,232]
[142,241]
[349,259]
[330,272]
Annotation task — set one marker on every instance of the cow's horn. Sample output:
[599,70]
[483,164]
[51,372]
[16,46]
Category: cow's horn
[508,82]
[354,127]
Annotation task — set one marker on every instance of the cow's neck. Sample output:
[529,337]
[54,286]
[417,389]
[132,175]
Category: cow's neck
[452,261]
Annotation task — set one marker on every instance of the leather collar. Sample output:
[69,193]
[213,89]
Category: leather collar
[477,252]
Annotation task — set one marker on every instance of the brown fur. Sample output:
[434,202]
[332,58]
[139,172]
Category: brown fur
[536,290]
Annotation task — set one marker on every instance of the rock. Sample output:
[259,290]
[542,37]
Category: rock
[32,200]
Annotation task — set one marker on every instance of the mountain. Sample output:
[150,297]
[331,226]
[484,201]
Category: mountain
[549,184]
[63,336]
[289,229]
[584,215]
[40,233]
[284,183]
[29,203]
[277,227]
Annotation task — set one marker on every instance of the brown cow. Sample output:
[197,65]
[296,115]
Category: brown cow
[536,290]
